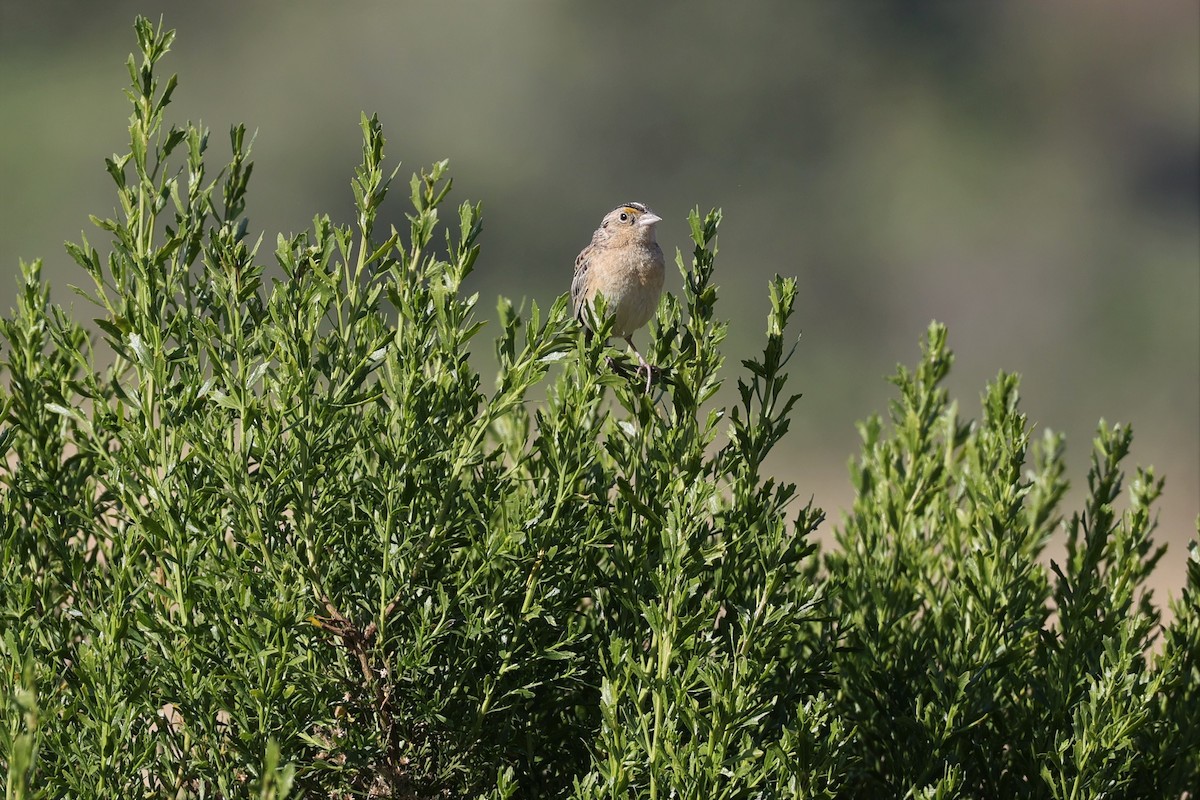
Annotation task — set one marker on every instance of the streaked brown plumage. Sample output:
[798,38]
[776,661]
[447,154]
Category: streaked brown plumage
[625,264]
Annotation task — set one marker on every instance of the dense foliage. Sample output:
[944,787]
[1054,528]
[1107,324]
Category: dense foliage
[270,536]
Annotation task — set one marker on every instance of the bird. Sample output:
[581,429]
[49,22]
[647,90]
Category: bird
[625,264]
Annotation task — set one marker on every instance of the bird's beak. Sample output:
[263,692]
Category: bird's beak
[649,218]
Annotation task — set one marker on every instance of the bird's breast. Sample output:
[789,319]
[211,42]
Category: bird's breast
[632,286]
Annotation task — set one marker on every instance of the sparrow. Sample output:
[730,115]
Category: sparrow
[625,264]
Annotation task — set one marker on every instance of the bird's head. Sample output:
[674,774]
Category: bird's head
[630,222]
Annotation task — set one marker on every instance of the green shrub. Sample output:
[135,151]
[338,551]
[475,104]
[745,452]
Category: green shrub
[267,535]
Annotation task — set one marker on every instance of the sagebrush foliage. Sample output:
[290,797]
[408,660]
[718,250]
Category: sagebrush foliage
[968,670]
[274,536]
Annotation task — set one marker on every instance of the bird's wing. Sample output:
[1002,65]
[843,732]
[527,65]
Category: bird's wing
[579,282]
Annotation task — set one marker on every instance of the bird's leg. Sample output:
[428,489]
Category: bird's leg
[643,364]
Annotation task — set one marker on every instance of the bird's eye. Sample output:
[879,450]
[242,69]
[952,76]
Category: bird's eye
[624,217]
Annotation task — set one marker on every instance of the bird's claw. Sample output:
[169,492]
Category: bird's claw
[649,374]
[622,368]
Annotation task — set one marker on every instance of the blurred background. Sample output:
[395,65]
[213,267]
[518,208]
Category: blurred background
[1027,173]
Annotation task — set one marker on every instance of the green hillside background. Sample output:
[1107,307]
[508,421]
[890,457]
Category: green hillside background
[1029,175]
